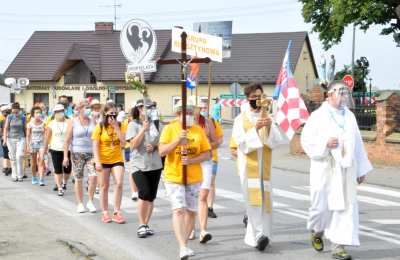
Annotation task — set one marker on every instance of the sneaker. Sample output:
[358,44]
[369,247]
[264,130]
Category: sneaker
[134,196]
[118,218]
[205,237]
[20,179]
[41,182]
[35,180]
[149,231]
[64,186]
[24,177]
[60,192]
[211,213]
[192,235]
[48,173]
[317,242]
[55,188]
[185,253]
[341,255]
[190,251]
[14,179]
[142,231]
[105,218]
[80,208]
[91,207]
[262,243]
[97,190]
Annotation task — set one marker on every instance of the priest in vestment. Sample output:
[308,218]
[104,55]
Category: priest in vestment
[253,138]
[332,140]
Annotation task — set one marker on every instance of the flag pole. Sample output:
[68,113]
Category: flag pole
[209,89]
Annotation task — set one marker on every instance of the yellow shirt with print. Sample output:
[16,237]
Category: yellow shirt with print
[197,144]
[219,134]
[110,150]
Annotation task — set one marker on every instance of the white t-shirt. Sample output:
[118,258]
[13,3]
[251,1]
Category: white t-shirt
[37,132]
[58,131]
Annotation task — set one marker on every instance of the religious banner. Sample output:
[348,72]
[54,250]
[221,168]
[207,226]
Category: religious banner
[138,43]
[198,44]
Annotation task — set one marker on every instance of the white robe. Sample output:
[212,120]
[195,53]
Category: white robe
[259,221]
[334,173]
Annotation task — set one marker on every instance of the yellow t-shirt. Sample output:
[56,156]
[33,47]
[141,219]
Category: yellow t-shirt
[218,133]
[109,144]
[124,126]
[197,144]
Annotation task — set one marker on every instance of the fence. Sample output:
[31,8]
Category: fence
[366,117]
[365,114]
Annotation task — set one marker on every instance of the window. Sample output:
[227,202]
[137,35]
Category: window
[119,99]
[93,96]
[41,98]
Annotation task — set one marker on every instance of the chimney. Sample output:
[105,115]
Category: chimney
[104,27]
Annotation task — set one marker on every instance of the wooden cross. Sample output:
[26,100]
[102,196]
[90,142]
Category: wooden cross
[184,61]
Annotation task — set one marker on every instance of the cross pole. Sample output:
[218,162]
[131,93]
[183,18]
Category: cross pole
[184,61]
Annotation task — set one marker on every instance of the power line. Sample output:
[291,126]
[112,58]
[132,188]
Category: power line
[163,13]
[182,17]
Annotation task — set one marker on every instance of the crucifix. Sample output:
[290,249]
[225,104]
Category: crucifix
[184,62]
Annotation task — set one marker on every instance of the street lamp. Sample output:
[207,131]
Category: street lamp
[17,85]
[370,90]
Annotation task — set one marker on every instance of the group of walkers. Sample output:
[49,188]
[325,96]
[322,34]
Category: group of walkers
[100,141]
[96,141]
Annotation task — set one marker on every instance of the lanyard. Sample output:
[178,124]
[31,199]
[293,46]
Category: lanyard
[340,125]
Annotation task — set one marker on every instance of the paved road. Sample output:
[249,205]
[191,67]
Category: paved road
[380,224]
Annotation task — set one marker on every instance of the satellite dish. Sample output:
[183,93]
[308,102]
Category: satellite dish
[23,83]
[10,82]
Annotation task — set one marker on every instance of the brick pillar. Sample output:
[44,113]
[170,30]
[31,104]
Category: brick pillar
[381,122]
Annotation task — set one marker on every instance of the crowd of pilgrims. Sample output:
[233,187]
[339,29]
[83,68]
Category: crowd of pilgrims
[93,141]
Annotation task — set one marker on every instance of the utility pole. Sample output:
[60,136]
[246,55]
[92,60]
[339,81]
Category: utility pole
[353,51]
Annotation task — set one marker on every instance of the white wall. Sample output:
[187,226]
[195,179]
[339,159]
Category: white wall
[4,95]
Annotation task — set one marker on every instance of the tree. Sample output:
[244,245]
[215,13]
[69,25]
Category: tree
[361,72]
[330,17]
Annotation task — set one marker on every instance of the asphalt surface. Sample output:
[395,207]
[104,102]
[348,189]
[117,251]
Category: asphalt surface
[24,207]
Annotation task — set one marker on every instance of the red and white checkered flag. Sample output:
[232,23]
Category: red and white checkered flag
[291,110]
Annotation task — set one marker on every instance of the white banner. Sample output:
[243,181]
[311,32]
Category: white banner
[198,44]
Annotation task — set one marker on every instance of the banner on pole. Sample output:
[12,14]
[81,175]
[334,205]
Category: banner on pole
[198,44]
[138,43]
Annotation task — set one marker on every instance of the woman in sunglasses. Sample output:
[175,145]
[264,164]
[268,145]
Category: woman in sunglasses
[108,140]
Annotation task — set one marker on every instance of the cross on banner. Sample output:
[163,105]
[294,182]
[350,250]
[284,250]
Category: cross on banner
[184,61]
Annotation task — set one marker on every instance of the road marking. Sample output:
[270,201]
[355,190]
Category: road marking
[239,197]
[379,202]
[364,230]
[367,199]
[361,198]
[386,221]
[291,195]
[381,191]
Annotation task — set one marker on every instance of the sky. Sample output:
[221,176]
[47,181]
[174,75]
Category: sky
[20,18]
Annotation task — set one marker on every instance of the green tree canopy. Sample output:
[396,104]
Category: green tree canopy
[330,17]
[361,73]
